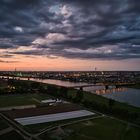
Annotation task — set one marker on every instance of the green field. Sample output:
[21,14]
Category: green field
[3,124]
[96,129]
[21,99]
[11,135]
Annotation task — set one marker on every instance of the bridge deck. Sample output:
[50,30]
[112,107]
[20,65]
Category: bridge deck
[103,84]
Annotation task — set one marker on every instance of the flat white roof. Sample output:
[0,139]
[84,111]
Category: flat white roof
[53,117]
[48,101]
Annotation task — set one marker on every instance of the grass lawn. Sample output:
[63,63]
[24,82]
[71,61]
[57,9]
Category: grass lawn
[11,135]
[97,129]
[3,124]
[24,99]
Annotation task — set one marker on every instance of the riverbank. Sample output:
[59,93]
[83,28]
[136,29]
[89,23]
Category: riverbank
[136,86]
[103,105]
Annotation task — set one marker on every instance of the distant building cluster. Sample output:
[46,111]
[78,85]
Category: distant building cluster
[80,76]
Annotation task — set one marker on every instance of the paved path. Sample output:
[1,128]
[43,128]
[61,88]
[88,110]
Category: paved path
[6,130]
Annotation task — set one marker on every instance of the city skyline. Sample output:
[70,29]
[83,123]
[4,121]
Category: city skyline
[70,35]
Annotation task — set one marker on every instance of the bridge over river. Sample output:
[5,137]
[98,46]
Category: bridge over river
[106,85]
[72,84]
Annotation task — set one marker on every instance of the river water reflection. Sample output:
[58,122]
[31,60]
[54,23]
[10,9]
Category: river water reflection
[127,95]
[60,82]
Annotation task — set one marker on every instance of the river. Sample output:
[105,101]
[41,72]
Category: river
[127,95]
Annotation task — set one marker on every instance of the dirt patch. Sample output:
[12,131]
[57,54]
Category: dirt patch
[41,110]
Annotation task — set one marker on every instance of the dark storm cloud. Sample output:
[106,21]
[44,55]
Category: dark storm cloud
[3,61]
[109,28]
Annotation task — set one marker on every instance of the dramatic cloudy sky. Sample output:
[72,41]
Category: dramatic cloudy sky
[70,34]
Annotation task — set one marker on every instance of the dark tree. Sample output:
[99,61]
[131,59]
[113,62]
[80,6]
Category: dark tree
[63,92]
[79,96]
[35,85]
[53,90]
